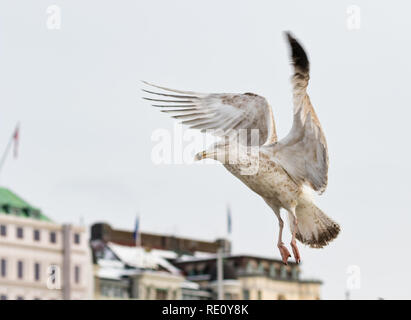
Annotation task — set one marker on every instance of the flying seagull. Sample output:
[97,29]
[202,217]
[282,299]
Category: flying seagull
[288,170]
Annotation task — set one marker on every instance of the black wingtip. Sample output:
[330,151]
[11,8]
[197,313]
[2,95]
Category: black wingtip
[288,35]
[298,55]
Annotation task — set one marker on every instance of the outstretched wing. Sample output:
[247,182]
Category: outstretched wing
[224,114]
[303,152]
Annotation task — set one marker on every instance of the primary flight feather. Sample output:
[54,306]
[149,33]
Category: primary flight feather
[281,171]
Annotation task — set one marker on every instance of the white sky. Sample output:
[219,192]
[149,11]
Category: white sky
[86,143]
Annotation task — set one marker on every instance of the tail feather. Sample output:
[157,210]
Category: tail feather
[315,228]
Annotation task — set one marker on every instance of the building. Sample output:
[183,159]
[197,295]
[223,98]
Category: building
[126,272]
[103,232]
[41,259]
[193,266]
[250,277]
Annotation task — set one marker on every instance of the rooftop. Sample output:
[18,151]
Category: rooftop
[208,257]
[12,204]
[140,258]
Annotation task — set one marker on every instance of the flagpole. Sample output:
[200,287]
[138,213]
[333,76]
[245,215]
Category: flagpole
[137,234]
[220,256]
[14,138]
[220,274]
[6,151]
[229,227]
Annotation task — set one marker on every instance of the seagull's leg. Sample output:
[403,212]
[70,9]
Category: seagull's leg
[293,243]
[285,254]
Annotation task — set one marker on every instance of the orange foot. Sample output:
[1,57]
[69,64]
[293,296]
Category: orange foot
[285,254]
[296,253]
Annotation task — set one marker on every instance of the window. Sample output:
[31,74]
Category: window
[26,212]
[36,235]
[20,233]
[77,274]
[20,269]
[19,298]
[259,295]
[250,267]
[118,292]
[37,271]
[77,238]
[103,291]
[246,294]
[52,237]
[228,296]
[3,297]
[3,230]
[261,268]
[53,272]
[3,268]
[273,271]
[294,273]
[283,272]
[161,294]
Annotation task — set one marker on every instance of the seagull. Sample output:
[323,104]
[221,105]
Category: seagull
[285,173]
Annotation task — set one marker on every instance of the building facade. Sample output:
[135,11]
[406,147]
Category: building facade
[127,272]
[250,278]
[105,233]
[182,268]
[41,259]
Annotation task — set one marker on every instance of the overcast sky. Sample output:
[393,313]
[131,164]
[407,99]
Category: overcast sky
[86,134]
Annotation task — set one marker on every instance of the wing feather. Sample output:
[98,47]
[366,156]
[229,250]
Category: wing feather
[225,113]
[303,152]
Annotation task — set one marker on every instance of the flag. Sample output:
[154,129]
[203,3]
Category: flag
[228,219]
[16,141]
[136,230]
